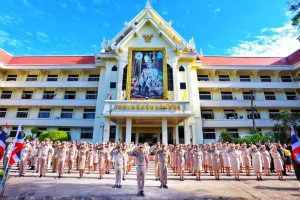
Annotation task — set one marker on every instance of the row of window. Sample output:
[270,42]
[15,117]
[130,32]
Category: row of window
[206,95]
[53,77]
[85,133]
[232,114]
[50,95]
[244,78]
[44,113]
[209,133]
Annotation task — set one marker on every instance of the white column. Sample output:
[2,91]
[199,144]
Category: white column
[137,135]
[128,130]
[175,80]
[164,131]
[106,130]
[120,81]
[158,137]
[187,134]
[117,133]
[121,133]
[193,130]
[176,135]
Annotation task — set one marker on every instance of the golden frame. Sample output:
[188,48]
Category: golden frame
[129,68]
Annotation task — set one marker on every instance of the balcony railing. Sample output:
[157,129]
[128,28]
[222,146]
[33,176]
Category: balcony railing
[251,85]
[48,102]
[247,103]
[50,122]
[48,84]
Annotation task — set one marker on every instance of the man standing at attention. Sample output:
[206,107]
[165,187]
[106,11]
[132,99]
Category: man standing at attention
[118,157]
[164,158]
[141,168]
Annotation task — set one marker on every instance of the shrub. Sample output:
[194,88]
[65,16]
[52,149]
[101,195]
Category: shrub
[55,136]
[254,138]
[28,137]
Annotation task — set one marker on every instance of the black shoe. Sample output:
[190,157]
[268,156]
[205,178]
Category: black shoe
[120,186]
[138,194]
[115,186]
[142,193]
[40,176]
[166,187]
[123,178]
[160,186]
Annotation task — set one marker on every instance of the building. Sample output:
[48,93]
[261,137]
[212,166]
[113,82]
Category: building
[148,84]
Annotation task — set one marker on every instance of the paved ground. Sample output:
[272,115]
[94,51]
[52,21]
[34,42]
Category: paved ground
[70,187]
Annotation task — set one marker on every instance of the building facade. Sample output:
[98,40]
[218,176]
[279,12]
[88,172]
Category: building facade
[148,84]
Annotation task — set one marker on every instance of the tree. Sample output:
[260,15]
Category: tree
[282,125]
[295,9]
[55,136]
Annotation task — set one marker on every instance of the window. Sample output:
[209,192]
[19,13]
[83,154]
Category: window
[265,79]
[89,113]
[91,95]
[112,133]
[204,95]
[67,130]
[93,77]
[114,68]
[22,112]
[44,113]
[207,114]
[14,130]
[248,95]
[70,94]
[203,78]
[182,86]
[270,96]
[286,78]
[209,133]
[291,95]
[73,77]
[249,114]
[233,131]
[32,78]
[226,95]
[48,95]
[181,69]
[124,78]
[86,133]
[66,113]
[230,114]
[6,94]
[273,113]
[11,78]
[170,78]
[52,77]
[3,112]
[27,94]
[245,79]
[296,113]
[113,85]
[224,78]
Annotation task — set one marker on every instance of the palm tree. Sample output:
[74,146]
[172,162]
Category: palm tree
[295,9]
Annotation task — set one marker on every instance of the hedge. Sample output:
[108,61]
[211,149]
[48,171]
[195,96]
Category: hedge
[254,138]
[55,136]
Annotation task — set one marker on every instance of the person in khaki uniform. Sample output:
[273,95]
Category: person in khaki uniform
[154,150]
[164,159]
[24,159]
[102,155]
[72,156]
[56,145]
[118,156]
[141,163]
[95,159]
[44,153]
[33,155]
[90,158]
[62,154]
[82,155]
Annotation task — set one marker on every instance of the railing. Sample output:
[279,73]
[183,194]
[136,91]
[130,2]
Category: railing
[48,84]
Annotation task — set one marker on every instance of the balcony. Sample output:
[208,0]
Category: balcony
[250,85]
[247,103]
[48,84]
[48,102]
[236,123]
[51,122]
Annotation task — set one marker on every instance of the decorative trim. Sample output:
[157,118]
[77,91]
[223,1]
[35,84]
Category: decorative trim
[147,37]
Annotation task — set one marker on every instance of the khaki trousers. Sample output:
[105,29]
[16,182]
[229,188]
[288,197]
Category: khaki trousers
[163,174]
[140,174]
[43,165]
[118,173]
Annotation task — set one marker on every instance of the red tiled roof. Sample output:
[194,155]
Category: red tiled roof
[4,56]
[222,60]
[51,60]
[294,57]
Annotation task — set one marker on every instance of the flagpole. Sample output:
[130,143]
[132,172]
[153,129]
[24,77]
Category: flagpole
[7,168]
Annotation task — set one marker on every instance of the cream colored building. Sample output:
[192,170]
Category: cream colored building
[107,97]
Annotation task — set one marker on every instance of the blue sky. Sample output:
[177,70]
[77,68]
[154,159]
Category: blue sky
[76,27]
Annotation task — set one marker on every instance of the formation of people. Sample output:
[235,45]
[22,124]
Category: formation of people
[213,159]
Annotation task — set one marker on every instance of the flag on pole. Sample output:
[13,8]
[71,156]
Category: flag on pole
[16,151]
[295,146]
[2,141]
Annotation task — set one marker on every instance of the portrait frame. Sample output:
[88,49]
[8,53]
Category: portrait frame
[131,50]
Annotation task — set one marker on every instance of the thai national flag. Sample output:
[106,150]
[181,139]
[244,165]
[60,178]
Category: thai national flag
[16,151]
[295,146]
[2,141]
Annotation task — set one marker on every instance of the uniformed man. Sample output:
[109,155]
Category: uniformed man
[33,155]
[56,145]
[154,150]
[72,156]
[102,155]
[62,153]
[118,157]
[164,158]
[8,152]
[24,159]
[44,153]
[141,168]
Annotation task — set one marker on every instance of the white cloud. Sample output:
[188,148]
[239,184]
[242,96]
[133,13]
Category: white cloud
[7,39]
[217,10]
[42,37]
[280,41]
